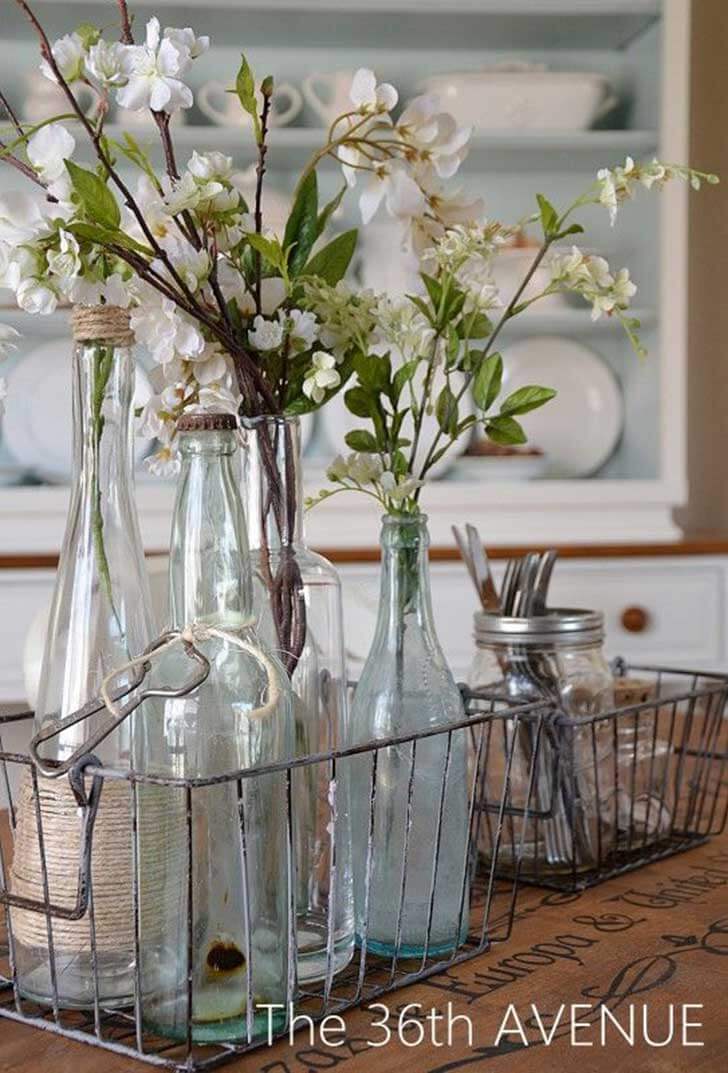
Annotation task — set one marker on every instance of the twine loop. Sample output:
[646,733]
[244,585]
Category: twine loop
[108,324]
[193,634]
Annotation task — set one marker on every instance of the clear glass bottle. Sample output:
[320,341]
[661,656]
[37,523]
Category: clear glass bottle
[406,686]
[239,857]
[556,657]
[303,621]
[100,617]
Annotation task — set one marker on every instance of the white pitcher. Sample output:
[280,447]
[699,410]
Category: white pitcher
[328,93]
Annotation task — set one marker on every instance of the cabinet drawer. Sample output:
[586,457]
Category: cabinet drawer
[667,610]
[678,608]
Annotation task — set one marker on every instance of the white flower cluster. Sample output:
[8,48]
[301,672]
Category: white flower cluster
[347,316]
[141,76]
[591,277]
[401,325]
[366,473]
[619,184]
[402,163]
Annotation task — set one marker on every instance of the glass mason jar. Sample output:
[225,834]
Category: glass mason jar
[412,897]
[298,599]
[558,658]
[196,901]
[100,617]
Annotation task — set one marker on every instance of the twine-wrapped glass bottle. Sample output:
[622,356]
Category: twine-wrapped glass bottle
[412,889]
[298,594]
[213,876]
[100,617]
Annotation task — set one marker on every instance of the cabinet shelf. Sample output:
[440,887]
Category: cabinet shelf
[291,147]
[512,24]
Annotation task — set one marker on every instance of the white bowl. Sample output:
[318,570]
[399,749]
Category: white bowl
[523,100]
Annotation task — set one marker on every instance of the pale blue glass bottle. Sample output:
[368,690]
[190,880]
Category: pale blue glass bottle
[411,891]
[228,929]
[307,592]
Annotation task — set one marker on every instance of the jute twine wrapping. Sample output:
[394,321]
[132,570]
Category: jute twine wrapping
[108,324]
[162,863]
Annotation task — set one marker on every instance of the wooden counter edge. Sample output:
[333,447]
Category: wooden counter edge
[690,546]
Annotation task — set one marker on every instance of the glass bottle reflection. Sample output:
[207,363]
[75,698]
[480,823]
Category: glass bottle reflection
[225,925]
[296,586]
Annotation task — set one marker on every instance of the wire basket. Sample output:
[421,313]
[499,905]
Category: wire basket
[486,906]
[618,790]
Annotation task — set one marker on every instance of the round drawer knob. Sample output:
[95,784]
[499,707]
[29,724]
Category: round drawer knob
[635,619]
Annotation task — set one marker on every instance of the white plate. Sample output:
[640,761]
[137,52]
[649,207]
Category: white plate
[498,467]
[37,420]
[581,427]
[337,421]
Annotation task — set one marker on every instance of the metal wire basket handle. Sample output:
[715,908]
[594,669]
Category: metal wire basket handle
[139,669]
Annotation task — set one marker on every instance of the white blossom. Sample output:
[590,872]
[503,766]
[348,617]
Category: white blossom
[105,64]
[398,488]
[22,219]
[211,166]
[265,334]
[154,71]
[392,184]
[187,39]
[615,185]
[400,324]
[368,97]
[433,135]
[364,468]
[36,296]
[167,332]
[302,328]
[164,463]
[321,376]
[48,149]
[68,52]
[65,262]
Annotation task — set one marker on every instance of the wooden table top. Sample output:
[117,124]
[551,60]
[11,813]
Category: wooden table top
[655,940]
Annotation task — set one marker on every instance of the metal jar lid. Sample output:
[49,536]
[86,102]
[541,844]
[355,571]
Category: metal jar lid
[560,625]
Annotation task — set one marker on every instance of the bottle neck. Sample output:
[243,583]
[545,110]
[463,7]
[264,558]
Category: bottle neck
[103,386]
[210,577]
[405,575]
[272,481]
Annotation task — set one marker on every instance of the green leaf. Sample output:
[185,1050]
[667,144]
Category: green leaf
[95,198]
[374,372]
[481,326]
[446,411]
[268,248]
[433,288]
[549,216]
[453,345]
[421,305]
[402,377]
[575,229]
[360,440]
[487,382]
[330,263]
[359,402]
[329,209]
[526,399]
[302,225]
[245,89]
[131,149]
[105,237]
[505,430]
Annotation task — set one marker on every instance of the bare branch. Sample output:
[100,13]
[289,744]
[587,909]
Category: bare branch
[26,170]
[127,37]
[259,173]
[11,114]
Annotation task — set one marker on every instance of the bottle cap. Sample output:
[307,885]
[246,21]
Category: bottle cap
[207,421]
